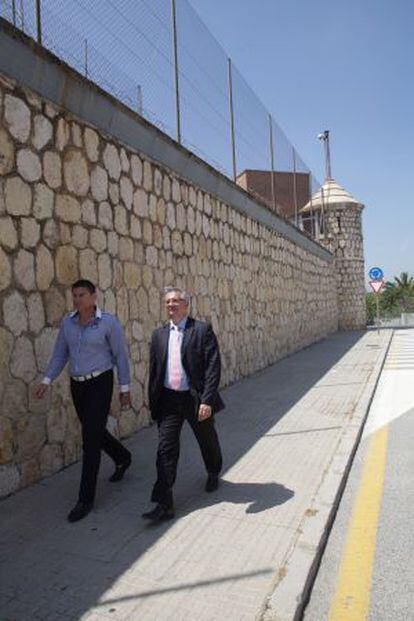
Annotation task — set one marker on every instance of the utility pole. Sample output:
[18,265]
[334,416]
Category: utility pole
[324,137]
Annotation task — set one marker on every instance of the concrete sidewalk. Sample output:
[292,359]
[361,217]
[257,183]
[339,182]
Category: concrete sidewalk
[245,552]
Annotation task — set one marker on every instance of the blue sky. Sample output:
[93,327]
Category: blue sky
[346,67]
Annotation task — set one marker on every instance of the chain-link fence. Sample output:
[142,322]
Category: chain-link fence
[160,60]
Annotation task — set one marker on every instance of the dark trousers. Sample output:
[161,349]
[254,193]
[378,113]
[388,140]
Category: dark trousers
[92,401]
[175,408]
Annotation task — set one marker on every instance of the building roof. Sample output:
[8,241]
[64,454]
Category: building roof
[330,194]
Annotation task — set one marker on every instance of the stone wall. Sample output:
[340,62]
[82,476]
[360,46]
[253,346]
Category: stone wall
[75,203]
[345,241]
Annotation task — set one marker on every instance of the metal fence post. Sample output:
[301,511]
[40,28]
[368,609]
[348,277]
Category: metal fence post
[295,193]
[272,163]
[38,22]
[22,14]
[231,108]
[139,99]
[86,57]
[14,12]
[176,75]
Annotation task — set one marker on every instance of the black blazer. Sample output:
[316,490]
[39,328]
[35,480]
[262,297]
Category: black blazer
[200,358]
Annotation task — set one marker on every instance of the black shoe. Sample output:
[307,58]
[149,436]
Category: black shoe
[120,470]
[212,482]
[159,514]
[80,511]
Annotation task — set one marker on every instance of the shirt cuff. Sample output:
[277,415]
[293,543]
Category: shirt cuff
[47,381]
[124,388]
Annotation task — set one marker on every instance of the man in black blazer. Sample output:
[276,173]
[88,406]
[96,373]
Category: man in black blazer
[183,385]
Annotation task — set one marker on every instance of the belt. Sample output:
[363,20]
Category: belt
[88,376]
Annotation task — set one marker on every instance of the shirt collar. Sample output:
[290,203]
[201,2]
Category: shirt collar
[180,325]
[98,313]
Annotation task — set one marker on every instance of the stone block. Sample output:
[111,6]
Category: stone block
[99,183]
[88,212]
[132,275]
[51,459]
[136,170]
[30,436]
[22,362]
[110,301]
[147,232]
[17,197]
[9,480]
[52,169]
[6,152]
[88,265]
[8,234]
[42,131]
[66,264]
[104,271]
[114,193]
[30,472]
[121,220]
[17,117]
[97,240]
[126,249]
[14,315]
[151,256]
[36,312]
[80,236]
[91,139]
[112,162]
[68,208]
[136,232]
[76,135]
[6,441]
[75,172]
[55,306]
[62,134]
[125,165]
[113,243]
[127,423]
[176,191]
[44,343]
[24,270]
[147,182]
[126,191]
[141,203]
[29,233]
[43,202]
[50,235]
[166,188]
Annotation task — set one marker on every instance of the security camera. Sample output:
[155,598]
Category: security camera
[321,136]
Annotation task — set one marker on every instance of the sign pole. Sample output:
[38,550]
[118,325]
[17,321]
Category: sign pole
[378,311]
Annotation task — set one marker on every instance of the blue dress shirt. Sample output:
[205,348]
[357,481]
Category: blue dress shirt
[97,346]
[176,332]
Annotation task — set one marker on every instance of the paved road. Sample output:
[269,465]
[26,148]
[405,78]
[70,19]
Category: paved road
[374,581]
[242,553]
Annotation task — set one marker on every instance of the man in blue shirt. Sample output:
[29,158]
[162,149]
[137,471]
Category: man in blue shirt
[93,342]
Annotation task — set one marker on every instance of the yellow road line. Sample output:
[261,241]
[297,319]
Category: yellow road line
[352,594]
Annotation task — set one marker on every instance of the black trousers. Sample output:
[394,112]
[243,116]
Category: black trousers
[175,408]
[92,401]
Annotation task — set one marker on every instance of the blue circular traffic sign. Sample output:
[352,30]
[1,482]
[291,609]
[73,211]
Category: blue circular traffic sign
[376,273]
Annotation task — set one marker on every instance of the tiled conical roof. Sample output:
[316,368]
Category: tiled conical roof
[330,194]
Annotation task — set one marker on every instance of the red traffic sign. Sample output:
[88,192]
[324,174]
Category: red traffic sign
[377,285]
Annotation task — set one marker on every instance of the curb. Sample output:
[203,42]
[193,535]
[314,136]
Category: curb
[294,581]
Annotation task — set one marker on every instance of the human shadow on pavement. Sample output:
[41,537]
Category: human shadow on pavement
[81,562]
[257,496]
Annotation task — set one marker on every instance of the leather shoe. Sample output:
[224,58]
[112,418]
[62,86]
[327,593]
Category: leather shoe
[212,482]
[159,514]
[120,470]
[79,511]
